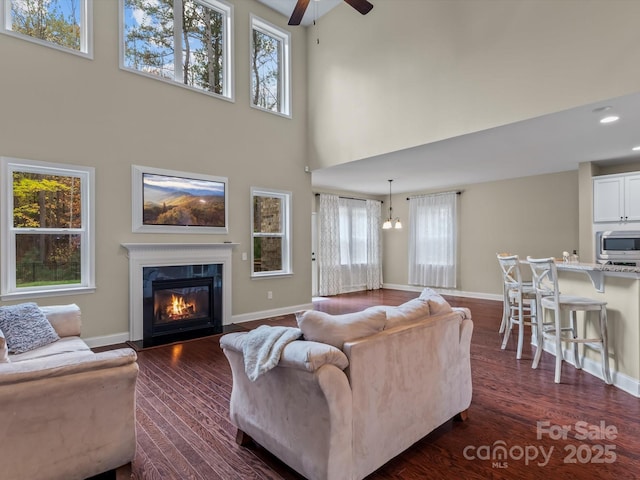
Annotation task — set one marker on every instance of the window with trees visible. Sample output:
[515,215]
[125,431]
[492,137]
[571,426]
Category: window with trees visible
[62,24]
[270,67]
[183,41]
[47,224]
[270,230]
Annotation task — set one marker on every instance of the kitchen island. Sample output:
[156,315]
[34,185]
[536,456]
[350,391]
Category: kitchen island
[619,286]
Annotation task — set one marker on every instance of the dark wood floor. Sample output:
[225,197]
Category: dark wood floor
[184,431]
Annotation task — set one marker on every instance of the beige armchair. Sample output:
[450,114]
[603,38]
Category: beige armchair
[66,412]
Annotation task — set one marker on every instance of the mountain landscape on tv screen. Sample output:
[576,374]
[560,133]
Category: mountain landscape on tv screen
[182,204]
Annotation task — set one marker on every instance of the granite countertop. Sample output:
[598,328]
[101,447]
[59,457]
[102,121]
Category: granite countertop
[597,267]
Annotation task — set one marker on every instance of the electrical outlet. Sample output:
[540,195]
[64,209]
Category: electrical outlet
[269,295]
[244,256]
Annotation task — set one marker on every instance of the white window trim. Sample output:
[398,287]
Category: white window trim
[287,201]
[257,23]
[228,69]
[86,34]
[8,289]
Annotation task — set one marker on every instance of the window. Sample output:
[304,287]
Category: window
[47,224]
[61,24]
[353,231]
[183,41]
[270,70]
[271,232]
[433,240]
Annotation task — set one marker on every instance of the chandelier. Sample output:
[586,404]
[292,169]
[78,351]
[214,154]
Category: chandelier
[390,222]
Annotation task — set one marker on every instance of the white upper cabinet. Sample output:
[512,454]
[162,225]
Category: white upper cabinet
[632,197]
[616,198]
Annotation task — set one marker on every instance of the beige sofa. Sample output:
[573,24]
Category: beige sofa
[337,414]
[66,413]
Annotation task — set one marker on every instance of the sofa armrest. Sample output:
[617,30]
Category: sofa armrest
[65,319]
[302,417]
[88,400]
[464,312]
[301,354]
[61,365]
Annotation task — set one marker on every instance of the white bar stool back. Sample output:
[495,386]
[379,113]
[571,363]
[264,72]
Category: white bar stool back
[519,301]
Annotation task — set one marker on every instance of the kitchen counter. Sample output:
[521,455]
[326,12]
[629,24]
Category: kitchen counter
[597,271]
[618,286]
[597,267]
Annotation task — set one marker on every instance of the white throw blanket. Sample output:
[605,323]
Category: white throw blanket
[263,347]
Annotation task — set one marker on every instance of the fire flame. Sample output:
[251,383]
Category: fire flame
[178,307]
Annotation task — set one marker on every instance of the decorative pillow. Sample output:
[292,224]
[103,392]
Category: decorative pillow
[337,329]
[405,313]
[25,327]
[437,304]
[4,352]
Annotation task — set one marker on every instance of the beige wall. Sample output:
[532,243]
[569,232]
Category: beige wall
[416,71]
[535,216]
[59,107]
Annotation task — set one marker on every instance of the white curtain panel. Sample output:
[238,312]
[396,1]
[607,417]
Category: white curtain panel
[433,240]
[349,248]
[329,274]
[374,245]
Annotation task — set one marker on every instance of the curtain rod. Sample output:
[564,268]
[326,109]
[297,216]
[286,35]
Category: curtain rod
[354,198]
[434,194]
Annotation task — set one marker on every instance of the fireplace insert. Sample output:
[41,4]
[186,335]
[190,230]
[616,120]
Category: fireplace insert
[176,309]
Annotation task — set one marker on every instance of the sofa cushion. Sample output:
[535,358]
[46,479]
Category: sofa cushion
[4,351]
[437,304]
[337,329]
[65,319]
[406,313]
[25,327]
[66,345]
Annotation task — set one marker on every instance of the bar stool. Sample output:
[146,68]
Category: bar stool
[548,297]
[519,301]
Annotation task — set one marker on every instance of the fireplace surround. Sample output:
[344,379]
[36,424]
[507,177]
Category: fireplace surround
[193,280]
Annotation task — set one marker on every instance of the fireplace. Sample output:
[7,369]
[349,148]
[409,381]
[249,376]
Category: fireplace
[181,302]
[178,291]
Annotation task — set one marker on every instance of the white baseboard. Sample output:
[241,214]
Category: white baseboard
[105,340]
[444,291]
[248,317]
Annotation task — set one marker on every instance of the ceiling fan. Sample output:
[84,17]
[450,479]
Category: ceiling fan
[363,6]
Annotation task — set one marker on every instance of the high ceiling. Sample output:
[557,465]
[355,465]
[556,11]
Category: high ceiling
[552,143]
[314,11]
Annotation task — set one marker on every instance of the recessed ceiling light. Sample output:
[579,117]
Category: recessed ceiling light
[610,119]
[635,149]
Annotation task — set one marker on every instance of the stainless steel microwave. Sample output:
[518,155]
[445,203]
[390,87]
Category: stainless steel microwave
[618,246]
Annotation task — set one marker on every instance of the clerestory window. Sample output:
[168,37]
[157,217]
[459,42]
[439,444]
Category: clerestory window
[188,42]
[62,24]
[47,228]
[270,67]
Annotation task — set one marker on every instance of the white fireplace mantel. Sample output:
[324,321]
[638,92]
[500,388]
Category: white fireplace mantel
[143,255]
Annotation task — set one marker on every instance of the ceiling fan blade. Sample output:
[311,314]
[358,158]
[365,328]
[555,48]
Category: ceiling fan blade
[363,6]
[298,12]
